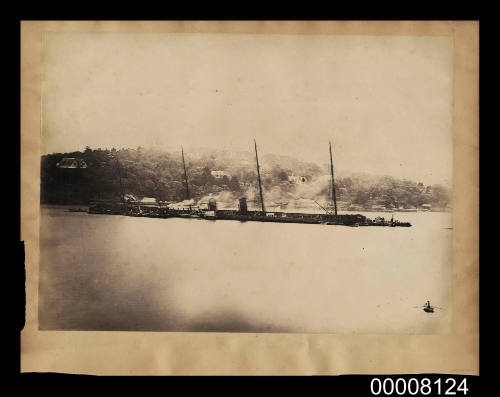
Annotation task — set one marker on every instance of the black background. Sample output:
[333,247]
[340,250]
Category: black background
[14,277]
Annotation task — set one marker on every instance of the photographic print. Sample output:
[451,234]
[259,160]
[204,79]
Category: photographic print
[261,183]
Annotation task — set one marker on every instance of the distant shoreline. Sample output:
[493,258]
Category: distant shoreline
[270,209]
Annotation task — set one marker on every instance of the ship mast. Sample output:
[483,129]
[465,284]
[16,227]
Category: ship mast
[258,175]
[334,197]
[118,167]
[185,175]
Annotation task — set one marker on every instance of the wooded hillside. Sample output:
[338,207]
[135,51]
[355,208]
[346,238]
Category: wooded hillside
[159,174]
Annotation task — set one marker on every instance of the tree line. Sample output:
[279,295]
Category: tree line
[154,173]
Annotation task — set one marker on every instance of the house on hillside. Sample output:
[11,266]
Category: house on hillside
[219,174]
[71,162]
[297,179]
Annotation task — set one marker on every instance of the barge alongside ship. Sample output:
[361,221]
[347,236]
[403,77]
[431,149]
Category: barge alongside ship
[242,214]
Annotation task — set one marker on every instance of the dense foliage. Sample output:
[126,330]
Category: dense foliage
[159,174]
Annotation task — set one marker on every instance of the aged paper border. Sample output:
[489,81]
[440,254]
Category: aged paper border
[160,353]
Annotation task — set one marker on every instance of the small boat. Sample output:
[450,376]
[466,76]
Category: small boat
[428,308]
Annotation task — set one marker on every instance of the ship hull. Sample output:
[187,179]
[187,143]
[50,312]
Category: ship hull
[353,220]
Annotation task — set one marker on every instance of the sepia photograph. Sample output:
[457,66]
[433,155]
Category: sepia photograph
[246,183]
[250,197]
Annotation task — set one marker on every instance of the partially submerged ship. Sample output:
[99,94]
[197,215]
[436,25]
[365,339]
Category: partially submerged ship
[330,216]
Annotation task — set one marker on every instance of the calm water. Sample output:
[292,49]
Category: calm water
[102,272]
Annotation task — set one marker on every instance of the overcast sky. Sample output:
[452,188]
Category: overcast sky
[385,102]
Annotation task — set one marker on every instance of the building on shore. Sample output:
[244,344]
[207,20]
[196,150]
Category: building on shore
[71,162]
[218,174]
[297,179]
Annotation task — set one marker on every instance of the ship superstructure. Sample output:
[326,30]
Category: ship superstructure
[243,214]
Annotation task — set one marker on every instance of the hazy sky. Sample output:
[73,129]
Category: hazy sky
[385,102]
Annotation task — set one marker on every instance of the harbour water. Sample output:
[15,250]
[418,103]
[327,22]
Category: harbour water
[105,272]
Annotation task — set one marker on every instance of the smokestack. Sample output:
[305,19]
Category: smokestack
[212,205]
[243,208]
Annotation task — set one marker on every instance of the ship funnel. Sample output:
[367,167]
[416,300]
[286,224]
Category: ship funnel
[243,208]
[212,205]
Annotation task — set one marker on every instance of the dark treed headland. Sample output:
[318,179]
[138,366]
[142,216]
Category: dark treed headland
[98,174]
